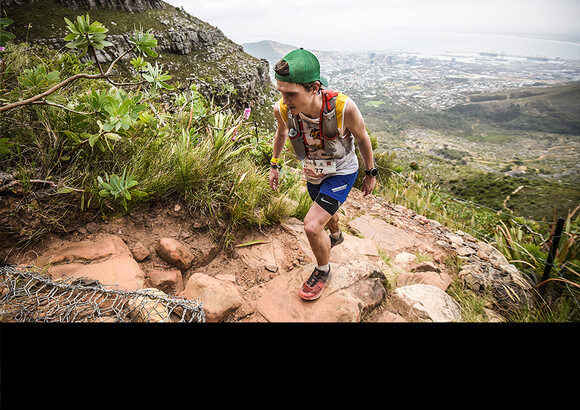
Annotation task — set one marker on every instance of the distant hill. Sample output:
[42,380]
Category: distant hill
[485,150]
[553,109]
[268,49]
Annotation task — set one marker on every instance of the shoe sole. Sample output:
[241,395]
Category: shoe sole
[312,297]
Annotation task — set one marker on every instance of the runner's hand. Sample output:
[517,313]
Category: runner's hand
[274,176]
[368,184]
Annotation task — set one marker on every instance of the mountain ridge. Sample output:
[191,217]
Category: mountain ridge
[268,49]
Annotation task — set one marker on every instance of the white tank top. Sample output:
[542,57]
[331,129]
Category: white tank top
[317,166]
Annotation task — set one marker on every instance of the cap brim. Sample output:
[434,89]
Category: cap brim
[324,81]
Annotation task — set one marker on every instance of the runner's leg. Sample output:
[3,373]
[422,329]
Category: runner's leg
[314,223]
[332,225]
[327,197]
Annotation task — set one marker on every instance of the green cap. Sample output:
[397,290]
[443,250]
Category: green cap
[304,68]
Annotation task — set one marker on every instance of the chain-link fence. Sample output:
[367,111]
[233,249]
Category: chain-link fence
[28,295]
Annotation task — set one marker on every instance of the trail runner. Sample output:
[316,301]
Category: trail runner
[329,161]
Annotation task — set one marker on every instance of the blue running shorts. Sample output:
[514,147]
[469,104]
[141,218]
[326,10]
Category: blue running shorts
[331,193]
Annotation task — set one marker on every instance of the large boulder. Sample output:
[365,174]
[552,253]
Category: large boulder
[425,303]
[101,246]
[352,290]
[219,297]
[119,271]
[388,237]
[105,258]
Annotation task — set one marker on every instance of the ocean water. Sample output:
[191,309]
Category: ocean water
[440,42]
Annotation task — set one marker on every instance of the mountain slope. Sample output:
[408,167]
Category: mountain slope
[268,49]
[257,281]
[553,109]
[191,50]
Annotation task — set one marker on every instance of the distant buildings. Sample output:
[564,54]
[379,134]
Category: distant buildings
[438,82]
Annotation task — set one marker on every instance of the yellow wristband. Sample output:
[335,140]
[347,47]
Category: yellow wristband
[274,160]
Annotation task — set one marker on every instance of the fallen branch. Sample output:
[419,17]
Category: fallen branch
[36,181]
[44,102]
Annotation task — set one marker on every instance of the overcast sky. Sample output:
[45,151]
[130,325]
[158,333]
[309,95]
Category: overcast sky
[352,24]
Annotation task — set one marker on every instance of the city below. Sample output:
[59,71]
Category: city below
[439,82]
[436,82]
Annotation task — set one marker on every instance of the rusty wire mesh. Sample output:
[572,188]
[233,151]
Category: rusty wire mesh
[27,295]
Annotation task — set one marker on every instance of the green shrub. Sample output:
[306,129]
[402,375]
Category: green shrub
[85,136]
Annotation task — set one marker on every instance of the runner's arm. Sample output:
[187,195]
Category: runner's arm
[279,141]
[354,122]
[281,133]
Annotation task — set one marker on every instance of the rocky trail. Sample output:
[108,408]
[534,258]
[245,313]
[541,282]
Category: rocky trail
[394,265]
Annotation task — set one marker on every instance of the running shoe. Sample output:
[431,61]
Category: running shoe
[338,241]
[312,288]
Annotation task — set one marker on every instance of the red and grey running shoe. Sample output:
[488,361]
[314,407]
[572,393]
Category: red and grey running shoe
[312,288]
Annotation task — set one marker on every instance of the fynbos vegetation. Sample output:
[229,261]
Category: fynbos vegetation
[76,136]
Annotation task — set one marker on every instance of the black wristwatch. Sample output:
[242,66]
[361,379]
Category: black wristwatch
[373,172]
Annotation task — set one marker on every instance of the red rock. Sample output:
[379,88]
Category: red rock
[349,293]
[426,278]
[110,262]
[140,252]
[169,281]
[388,317]
[174,253]
[391,239]
[89,250]
[121,270]
[219,298]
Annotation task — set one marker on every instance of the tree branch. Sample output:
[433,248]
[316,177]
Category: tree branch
[117,59]
[44,102]
[102,74]
[37,181]
[40,96]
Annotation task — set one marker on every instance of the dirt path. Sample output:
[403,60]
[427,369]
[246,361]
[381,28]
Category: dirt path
[387,248]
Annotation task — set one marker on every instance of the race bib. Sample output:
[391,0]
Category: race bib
[317,168]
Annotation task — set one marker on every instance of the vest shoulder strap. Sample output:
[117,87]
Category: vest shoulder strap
[328,118]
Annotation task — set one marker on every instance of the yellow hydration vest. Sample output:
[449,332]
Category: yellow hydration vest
[331,123]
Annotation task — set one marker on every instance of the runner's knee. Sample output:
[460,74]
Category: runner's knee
[312,226]
[315,220]
[311,229]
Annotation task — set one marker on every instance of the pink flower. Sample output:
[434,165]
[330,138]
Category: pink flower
[2,49]
[247,112]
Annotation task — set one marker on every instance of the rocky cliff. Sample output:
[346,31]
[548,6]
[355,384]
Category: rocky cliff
[191,50]
[124,5]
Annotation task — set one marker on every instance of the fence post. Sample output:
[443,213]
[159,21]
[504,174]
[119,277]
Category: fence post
[553,248]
